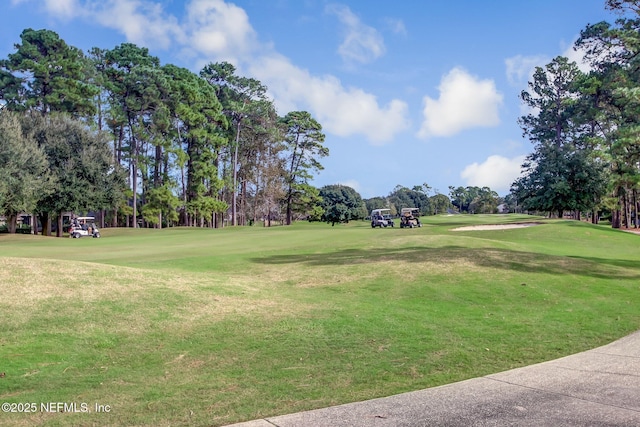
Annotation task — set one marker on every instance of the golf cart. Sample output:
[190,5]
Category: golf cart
[381,218]
[83,226]
[410,217]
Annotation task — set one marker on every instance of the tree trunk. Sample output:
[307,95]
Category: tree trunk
[234,191]
[615,218]
[13,223]
[134,174]
[135,195]
[289,211]
[157,172]
[118,150]
[635,208]
[626,209]
[234,196]
[59,225]
[243,203]
[45,219]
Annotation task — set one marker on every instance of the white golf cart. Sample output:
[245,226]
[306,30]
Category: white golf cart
[83,226]
[381,218]
[410,217]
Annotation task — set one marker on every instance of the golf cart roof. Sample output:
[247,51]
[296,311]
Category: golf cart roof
[84,218]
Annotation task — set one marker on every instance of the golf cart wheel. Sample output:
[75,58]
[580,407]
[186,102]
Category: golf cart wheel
[96,235]
[76,235]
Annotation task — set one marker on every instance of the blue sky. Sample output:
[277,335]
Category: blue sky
[407,92]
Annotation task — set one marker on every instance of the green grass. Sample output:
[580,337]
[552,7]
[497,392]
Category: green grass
[210,327]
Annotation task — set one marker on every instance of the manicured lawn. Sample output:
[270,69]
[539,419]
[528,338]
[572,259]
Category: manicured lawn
[210,327]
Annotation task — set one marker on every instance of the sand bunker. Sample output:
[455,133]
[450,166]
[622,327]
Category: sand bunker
[496,226]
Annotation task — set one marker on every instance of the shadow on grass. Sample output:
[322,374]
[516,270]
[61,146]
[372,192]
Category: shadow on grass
[528,262]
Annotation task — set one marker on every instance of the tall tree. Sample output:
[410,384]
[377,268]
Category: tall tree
[341,204]
[485,202]
[135,84]
[559,173]
[304,141]
[439,204]
[199,128]
[24,175]
[614,54]
[261,167]
[45,74]
[243,101]
[80,161]
[403,197]
[459,198]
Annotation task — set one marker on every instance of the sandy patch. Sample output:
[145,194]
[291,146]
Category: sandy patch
[496,226]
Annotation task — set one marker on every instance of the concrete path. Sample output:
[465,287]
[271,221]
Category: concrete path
[599,387]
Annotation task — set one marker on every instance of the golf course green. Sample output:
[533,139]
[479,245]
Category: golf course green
[207,327]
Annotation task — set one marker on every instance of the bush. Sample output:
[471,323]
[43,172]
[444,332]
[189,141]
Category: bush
[22,229]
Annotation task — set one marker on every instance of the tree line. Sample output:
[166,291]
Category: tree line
[115,131]
[341,203]
[585,126]
[145,144]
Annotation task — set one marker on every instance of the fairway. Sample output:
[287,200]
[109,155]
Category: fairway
[205,327]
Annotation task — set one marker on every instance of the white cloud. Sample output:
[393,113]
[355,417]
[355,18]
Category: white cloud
[465,102]
[577,56]
[396,26]
[341,111]
[361,43]
[142,22]
[520,68]
[65,9]
[216,30]
[497,172]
